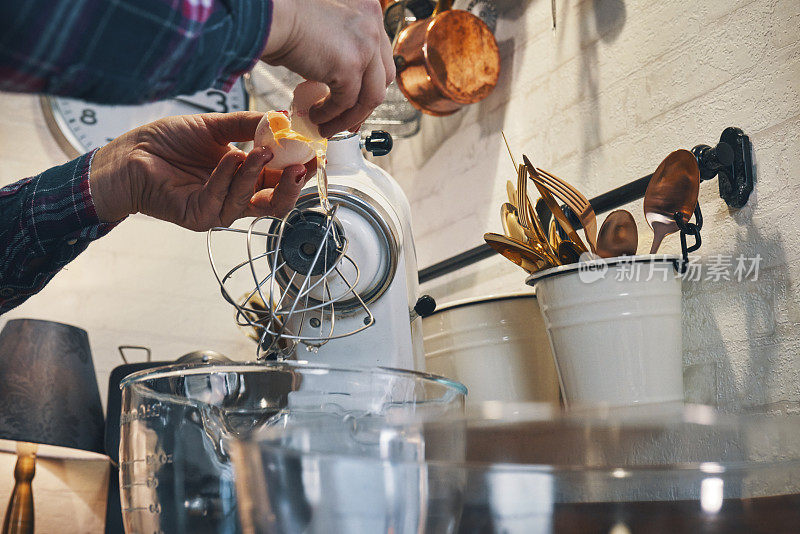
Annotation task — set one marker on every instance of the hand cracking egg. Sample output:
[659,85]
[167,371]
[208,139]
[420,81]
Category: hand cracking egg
[306,95]
[293,138]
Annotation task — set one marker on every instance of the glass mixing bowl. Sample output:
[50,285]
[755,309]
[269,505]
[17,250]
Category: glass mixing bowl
[176,422]
[526,469]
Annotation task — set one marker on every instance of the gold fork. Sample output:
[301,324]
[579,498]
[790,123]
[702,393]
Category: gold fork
[522,204]
[537,239]
[553,205]
[574,201]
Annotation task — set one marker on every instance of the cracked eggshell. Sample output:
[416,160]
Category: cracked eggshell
[305,96]
[272,121]
[286,150]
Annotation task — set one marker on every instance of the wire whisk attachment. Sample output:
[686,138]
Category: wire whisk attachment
[296,279]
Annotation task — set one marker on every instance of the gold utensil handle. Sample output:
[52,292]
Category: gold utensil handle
[538,229]
[553,206]
[518,252]
[552,235]
[560,217]
[510,154]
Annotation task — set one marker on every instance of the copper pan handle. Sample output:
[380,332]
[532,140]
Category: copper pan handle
[400,25]
[399,61]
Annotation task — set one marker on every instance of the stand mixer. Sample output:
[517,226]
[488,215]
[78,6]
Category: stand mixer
[328,286]
[334,285]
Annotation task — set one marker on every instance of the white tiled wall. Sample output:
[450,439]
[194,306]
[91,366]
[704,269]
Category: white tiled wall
[601,101]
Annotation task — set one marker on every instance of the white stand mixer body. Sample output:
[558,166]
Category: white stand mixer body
[394,340]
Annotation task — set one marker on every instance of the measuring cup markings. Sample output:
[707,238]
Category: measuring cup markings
[155,460]
[144,412]
[150,482]
[154,508]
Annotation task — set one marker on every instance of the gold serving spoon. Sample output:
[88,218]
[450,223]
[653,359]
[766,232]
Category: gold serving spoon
[510,220]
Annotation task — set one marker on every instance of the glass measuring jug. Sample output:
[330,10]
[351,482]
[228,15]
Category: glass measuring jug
[175,471]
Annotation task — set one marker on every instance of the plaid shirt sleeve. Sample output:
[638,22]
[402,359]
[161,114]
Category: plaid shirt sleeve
[128,51]
[45,222]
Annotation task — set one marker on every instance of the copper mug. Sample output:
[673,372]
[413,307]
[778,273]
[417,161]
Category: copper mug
[446,61]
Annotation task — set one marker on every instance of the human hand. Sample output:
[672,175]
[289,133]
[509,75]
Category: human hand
[182,170]
[340,43]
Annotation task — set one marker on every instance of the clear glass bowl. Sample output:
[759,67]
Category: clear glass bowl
[526,469]
[175,470]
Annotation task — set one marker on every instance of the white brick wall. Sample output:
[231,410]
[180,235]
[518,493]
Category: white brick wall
[601,101]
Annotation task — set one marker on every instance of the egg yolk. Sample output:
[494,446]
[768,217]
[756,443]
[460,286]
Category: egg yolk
[280,126]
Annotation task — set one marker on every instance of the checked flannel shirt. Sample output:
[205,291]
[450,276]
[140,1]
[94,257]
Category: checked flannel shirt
[106,51]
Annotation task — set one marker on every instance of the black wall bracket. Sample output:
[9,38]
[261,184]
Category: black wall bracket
[730,161]
[736,180]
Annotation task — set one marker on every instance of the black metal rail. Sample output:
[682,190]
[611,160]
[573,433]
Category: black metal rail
[730,161]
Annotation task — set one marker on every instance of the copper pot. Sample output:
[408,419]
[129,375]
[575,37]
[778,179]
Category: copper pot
[446,62]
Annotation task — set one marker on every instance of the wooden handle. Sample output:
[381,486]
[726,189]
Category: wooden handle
[19,515]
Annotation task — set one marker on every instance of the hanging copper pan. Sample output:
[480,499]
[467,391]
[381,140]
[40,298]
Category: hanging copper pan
[446,61]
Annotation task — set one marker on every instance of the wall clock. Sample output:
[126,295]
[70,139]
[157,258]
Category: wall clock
[80,126]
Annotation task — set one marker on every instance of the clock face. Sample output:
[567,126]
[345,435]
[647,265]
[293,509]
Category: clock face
[81,126]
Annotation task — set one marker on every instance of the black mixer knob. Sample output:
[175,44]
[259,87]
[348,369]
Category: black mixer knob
[379,143]
[425,306]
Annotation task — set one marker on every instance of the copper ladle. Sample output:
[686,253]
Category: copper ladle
[618,235]
[674,188]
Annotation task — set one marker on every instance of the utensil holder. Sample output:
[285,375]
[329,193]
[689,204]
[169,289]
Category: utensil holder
[730,161]
[496,346]
[615,329]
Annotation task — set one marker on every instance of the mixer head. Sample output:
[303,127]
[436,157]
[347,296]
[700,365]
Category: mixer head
[297,278]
